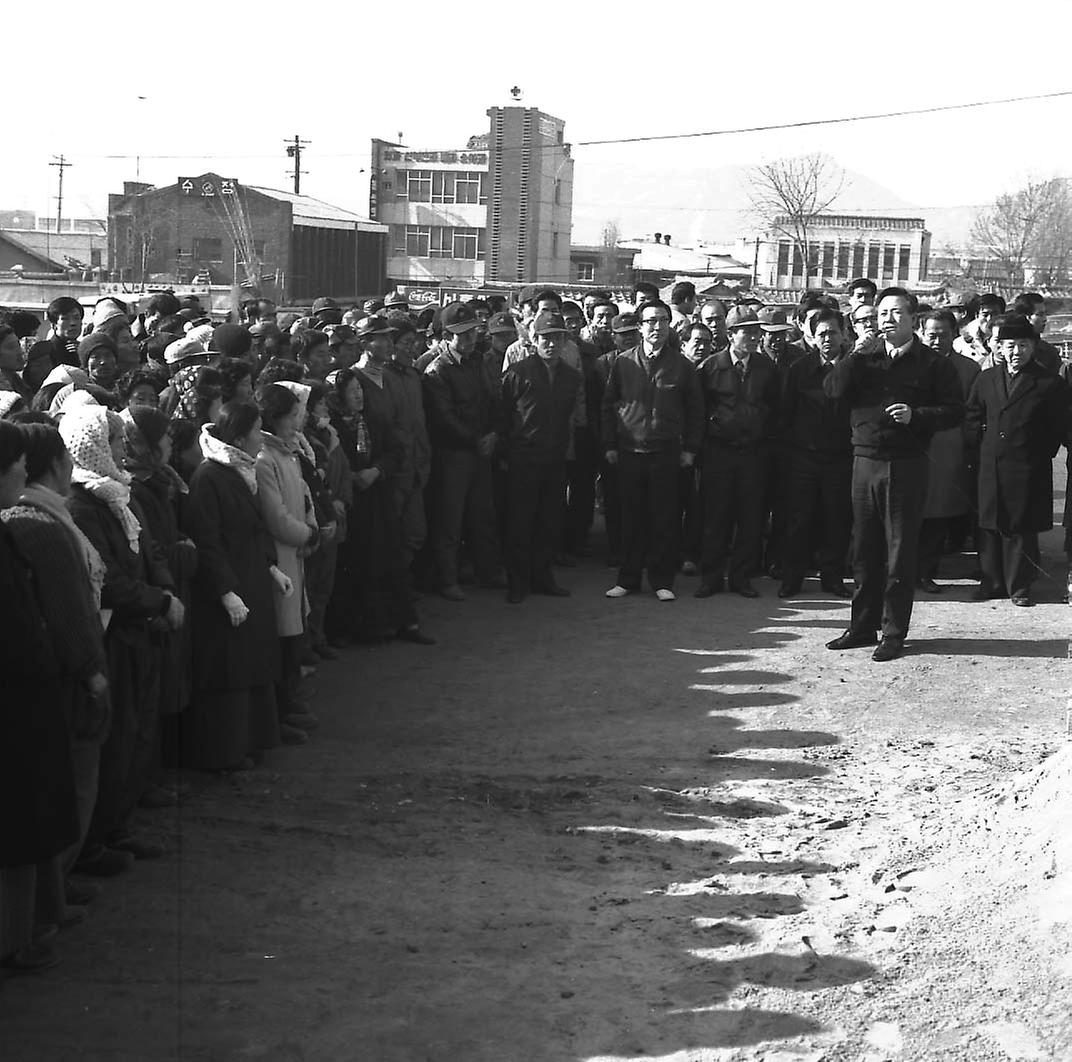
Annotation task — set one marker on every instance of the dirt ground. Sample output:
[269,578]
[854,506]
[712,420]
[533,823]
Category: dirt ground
[582,830]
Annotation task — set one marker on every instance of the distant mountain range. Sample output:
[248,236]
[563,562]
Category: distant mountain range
[713,205]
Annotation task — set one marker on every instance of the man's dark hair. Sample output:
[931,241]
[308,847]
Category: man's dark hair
[163,304]
[235,421]
[64,304]
[694,326]
[864,282]
[826,314]
[657,304]
[1026,302]
[549,295]
[810,300]
[134,378]
[992,300]
[682,291]
[901,293]
[645,288]
[308,341]
[44,446]
[569,305]
[496,303]
[939,315]
[24,323]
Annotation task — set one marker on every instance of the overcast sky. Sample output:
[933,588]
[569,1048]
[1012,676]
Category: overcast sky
[226,84]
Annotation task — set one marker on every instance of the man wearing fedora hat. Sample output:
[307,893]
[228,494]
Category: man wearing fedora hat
[460,407]
[1017,416]
[740,387]
[538,397]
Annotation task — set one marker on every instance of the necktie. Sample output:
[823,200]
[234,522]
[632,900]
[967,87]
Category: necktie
[742,370]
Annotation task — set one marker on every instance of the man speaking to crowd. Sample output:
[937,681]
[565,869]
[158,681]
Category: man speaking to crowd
[900,393]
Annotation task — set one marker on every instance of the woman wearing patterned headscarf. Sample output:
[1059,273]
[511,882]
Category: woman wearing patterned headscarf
[138,600]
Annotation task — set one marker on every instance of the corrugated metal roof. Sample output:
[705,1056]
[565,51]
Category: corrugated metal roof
[318,214]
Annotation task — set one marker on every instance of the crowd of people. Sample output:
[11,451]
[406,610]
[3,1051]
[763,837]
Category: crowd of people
[195,516]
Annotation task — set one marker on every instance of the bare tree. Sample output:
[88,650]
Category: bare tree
[612,233]
[788,195]
[1029,232]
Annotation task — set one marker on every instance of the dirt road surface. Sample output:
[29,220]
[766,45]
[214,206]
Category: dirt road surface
[582,830]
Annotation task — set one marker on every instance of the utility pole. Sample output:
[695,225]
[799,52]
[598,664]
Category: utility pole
[294,151]
[61,164]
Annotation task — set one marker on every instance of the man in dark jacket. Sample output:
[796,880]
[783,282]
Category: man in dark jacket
[652,426]
[899,393]
[818,462]
[1018,416]
[65,315]
[740,389]
[538,398]
[460,410]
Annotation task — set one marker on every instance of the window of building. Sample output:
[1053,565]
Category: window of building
[904,255]
[398,239]
[828,260]
[419,186]
[442,186]
[888,252]
[441,243]
[586,272]
[798,262]
[843,261]
[208,249]
[783,258]
[467,186]
[813,260]
[465,243]
[873,251]
[857,261]
[483,189]
[94,259]
[418,240]
[481,244]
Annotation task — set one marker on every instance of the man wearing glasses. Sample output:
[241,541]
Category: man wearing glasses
[652,427]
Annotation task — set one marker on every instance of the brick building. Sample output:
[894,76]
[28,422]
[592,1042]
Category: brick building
[211,229]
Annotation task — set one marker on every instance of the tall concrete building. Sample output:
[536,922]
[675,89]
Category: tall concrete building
[497,211]
[530,209]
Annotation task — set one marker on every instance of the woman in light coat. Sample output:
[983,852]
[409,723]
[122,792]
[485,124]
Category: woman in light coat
[291,521]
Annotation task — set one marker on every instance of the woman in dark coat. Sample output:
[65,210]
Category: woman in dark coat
[232,717]
[1018,416]
[158,488]
[372,586]
[38,813]
[138,600]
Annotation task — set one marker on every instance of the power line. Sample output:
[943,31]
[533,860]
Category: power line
[825,121]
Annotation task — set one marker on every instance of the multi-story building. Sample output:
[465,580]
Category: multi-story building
[497,211]
[214,230]
[889,250]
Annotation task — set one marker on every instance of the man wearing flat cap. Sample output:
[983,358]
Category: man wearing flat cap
[1018,417]
[536,411]
[460,407]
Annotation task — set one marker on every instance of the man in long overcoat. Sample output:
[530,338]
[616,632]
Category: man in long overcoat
[1018,417]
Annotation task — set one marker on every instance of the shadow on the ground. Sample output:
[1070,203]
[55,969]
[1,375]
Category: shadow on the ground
[1056,649]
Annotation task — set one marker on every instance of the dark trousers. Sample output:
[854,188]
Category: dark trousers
[286,685]
[463,494]
[887,510]
[650,516]
[776,506]
[581,482]
[734,489]
[932,535]
[534,492]
[692,522]
[1008,561]
[612,509]
[818,497]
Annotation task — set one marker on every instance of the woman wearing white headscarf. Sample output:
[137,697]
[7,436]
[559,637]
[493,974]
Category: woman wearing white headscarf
[137,600]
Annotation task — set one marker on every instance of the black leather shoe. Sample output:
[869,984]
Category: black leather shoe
[984,593]
[414,635]
[553,590]
[887,649]
[929,586]
[707,589]
[1022,598]
[789,590]
[745,590]
[852,640]
[836,587]
[515,595]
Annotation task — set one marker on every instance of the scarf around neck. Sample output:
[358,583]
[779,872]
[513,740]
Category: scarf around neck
[39,497]
[85,431]
[230,456]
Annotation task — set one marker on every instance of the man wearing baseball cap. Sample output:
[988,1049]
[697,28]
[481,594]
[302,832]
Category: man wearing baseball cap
[652,426]
[1017,415]
[536,412]
[459,404]
[740,387]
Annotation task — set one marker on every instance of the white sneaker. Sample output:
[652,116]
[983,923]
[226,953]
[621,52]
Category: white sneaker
[666,595]
[617,591]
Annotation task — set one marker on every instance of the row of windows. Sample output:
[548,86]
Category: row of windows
[445,186]
[438,241]
[880,261]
